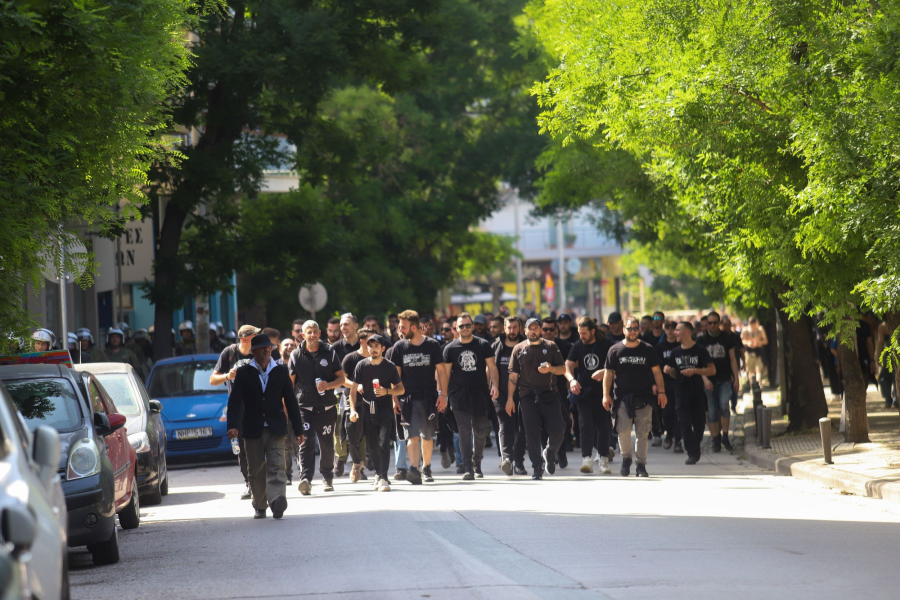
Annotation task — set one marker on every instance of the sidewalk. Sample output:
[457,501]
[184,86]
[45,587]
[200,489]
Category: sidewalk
[871,469]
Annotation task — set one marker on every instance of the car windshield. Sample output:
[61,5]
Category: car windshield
[183,379]
[122,392]
[46,402]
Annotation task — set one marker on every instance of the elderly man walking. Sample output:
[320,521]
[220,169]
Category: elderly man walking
[262,393]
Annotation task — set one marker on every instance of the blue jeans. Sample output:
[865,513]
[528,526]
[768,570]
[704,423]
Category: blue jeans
[456,447]
[717,401]
[401,460]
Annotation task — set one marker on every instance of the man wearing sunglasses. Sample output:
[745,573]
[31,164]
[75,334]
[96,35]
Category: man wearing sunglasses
[447,333]
[720,347]
[468,368]
[550,331]
[634,367]
[346,345]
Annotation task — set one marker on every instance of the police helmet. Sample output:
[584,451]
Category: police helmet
[230,337]
[186,326]
[141,334]
[114,331]
[43,335]
[85,334]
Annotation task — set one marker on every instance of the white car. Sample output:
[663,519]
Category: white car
[33,511]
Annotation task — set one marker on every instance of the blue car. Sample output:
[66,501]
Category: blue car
[194,412]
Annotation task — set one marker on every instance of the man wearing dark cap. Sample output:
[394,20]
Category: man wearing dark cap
[616,333]
[481,329]
[231,359]
[534,367]
[261,394]
[565,331]
[381,385]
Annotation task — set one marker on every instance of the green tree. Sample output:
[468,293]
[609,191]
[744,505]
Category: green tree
[82,90]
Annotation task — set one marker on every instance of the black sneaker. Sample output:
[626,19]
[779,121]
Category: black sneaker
[446,460]
[259,514]
[400,475]
[247,493]
[278,506]
[468,476]
[717,443]
[507,467]
[478,472]
[549,463]
[460,469]
[692,460]
[413,476]
[563,460]
[520,470]
[289,478]
[339,468]
[679,449]
[426,474]
[726,443]
[538,475]
[626,467]
[641,471]
[667,444]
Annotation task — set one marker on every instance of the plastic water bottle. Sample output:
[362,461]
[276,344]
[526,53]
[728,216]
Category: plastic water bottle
[318,381]
[235,447]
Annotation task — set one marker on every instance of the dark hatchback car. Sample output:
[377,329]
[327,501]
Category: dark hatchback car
[146,432]
[97,465]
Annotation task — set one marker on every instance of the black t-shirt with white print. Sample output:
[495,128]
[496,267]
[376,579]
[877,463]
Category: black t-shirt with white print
[229,358]
[502,354]
[590,358]
[468,364]
[718,347]
[695,357]
[417,364]
[633,368]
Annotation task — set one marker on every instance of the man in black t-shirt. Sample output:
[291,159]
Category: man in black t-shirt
[634,367]
[550,332]
[469,365]
[718,388]
[739,357]
[348,366]
[691,365]
[379,406]
[316,360]
[534,367]
[614,322]
[669,415]
[511,435]
[230,360]
[481,329]
[417,358]
[346,345]
[584,361]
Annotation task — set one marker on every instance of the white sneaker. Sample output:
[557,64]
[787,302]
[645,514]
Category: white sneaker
[604,466]
[587,465]
[595,457]
[657,441]
[384,486]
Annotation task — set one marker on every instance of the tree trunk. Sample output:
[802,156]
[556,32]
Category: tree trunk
[805,400]
[856,428]
[893,322]
[772,349]
[163,278]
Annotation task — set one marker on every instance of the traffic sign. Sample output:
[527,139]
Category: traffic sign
[313,297]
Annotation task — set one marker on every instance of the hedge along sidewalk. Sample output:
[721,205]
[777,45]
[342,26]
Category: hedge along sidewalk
[871,469]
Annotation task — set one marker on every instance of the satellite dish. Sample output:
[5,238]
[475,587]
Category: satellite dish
[313,297]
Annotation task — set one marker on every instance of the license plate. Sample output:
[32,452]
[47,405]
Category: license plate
[194,433]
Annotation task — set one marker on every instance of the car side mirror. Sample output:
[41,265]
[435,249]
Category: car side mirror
[101,424]
[46,447]
[155,406]
[18,528]
[117,421]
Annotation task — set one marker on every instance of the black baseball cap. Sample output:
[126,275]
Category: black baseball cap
[614,317]
[564,316]
[377,338]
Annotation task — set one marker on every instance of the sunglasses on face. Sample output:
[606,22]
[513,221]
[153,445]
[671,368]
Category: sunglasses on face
[465,326]
[712,322]
[657,318]
[298,331]
[632,329]
[446,329]
[547,329]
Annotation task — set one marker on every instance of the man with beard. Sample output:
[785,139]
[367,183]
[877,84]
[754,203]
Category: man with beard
[692,365]
[417,358]
[348,365]
[669,413]
[614,321]
[393,322]
[470,364]
[718,388]
[333,330]
[481,330]
[550,332]
[533,368]
[564,330]
[587,356]
[495,327]
[634,367]
[315,373]
[511,435]
[346,345]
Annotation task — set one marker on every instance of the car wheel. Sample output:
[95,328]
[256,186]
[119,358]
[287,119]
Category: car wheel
[64,588]
[155,497]
[106,553]
[130,517]
[164,486]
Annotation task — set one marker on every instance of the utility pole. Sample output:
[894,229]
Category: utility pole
[519,290]
[560,241]
[64,321]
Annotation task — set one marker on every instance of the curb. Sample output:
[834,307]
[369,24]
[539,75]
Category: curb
[817,472]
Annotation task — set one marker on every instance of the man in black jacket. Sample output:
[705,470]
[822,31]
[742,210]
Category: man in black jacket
[262,394]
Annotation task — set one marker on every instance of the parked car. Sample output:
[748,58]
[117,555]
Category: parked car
[193,410]
[33,528]
[146,432]
[97,464]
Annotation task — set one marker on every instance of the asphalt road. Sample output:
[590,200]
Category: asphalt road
[721,530]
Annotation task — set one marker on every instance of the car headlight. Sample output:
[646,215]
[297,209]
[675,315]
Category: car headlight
[139,441]
[224,417]
[84,460]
